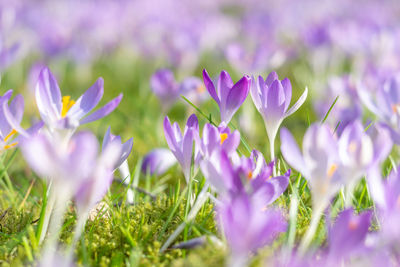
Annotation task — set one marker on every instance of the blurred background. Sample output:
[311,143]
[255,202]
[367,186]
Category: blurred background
[333,47]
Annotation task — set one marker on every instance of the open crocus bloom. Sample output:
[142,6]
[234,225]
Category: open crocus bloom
[272,99]
[318,163]
[61,112]
[228,96]
[10,119]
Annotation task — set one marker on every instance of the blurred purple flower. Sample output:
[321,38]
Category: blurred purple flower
[218,138]
[228,96]
[7,55]
[386,105]
[346,237]
[64,113]
[318,163]
[158,161]
[168,90]
[272,99]
[75,168]
[248,226]
[182,145]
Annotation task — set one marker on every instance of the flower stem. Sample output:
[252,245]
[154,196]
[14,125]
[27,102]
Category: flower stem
[315,218]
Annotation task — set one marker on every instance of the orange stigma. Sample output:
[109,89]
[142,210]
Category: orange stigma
[331,170]
[249,175]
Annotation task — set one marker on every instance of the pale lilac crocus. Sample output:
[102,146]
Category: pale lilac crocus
[386,105]
[164,86]
[181,145]
[247,226]
[61,112]
[158,161]
[318,164]
[356,154]
[228,96]
[76,170]
[272,99]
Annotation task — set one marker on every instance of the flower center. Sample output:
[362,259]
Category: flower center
[352,147]
[223,136]
[249,175]
[67,103]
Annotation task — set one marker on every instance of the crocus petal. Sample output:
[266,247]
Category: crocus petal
[232,142]
[280,183]
[210,86]
[298,104]
[276,99]
[104,111]
[287,88]
[224,87]
[236,97]
[48,97]
[254,91]
[17,107]
[170,135]
[271,78]
[44,165]
[14,123]
[87,101]
[291,152]
[187,149]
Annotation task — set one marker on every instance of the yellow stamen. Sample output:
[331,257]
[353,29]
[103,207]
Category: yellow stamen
[10,134]
[223,136]
[200,89]
[395,107]
[67,103]
[249,175]
[331,170]
[10,145]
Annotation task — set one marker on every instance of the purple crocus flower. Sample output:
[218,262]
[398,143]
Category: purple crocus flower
[318,164]
[228,96]
[158,161]
[272,99]
[64,113]
[386,105]
[346,237]
[182,145]
[215,138]
[165,87]
[248,226]
[251,175]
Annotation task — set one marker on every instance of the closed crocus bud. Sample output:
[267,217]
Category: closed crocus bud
[228,96]
[272,99]
[181,145]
